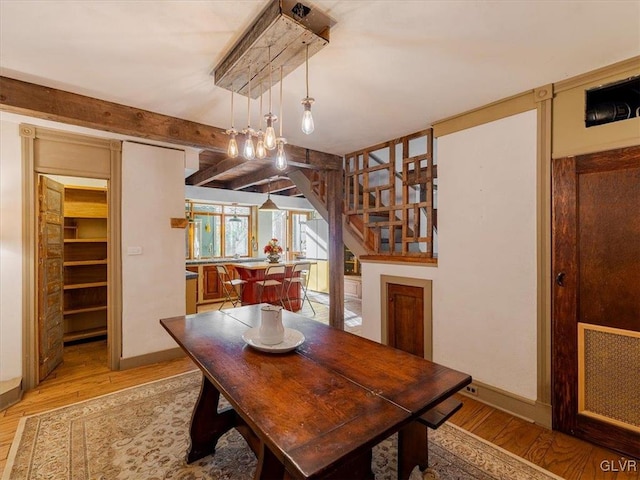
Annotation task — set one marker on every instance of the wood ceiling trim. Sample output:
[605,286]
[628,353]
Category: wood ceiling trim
[252,178]
[38,101]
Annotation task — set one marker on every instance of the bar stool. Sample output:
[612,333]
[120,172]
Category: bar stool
[269,280]
[302,279]
[229,286]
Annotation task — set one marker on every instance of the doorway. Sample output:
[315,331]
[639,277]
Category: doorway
[406,308]
[73,265]
[596,306]
[53,152]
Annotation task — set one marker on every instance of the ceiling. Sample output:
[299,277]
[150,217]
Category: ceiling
[391,67]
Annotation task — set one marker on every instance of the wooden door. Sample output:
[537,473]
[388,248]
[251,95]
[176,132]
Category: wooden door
[211,286]
[405,318]
[596,298]
[50,275]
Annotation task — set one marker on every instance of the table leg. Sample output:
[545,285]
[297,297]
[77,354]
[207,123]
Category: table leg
[207,424]
[268,467]
[412,449]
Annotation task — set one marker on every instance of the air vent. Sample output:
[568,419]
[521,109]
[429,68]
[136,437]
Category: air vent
[300,11]
[613,103]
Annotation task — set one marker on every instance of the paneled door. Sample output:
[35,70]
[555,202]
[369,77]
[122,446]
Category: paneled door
[596,298]
[405,328]
[50,275]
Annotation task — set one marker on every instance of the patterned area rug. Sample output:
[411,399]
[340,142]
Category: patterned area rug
[142,433]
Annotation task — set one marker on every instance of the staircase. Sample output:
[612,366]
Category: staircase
[389,198]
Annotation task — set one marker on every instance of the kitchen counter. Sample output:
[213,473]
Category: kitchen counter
[207,261]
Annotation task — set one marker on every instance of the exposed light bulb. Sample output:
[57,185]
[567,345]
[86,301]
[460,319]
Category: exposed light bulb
[307,118]
[261,151]
[281,156]
[232,148]
[249,150]
[270,133]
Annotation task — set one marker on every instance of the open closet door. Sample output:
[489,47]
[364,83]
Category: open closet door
[596,298]
[50,275]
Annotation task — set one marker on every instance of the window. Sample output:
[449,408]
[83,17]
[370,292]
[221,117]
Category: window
[289,227]
[217,231]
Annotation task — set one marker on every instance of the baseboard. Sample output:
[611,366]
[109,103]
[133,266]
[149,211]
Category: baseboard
[529,410]
[151,358]
[10,392]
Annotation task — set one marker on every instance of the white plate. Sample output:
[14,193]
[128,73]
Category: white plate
[292,339]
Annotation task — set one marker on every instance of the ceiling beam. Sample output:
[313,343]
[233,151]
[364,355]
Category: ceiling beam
[210,173]
[276,186]
[254,177]
[38,101]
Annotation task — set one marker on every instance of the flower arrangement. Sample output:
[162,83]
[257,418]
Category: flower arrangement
[273,247]
[273,250]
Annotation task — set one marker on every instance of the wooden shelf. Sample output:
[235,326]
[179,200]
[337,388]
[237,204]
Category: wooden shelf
[97,308]
[85,240]
[84,334]
[85,285]
[86,263]
[77,263]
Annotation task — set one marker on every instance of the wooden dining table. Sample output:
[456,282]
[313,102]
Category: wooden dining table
[317,410]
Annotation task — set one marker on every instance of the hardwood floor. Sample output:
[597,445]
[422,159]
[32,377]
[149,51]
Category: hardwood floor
[84,375]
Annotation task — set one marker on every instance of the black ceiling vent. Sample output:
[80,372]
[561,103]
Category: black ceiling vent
[300,11]
[613,102]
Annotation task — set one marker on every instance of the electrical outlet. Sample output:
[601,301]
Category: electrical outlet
[471,389]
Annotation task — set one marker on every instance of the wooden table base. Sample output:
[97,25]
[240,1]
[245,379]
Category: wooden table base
[208,425]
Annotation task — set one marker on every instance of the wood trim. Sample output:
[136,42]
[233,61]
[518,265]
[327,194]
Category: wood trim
[488,113]
[151,358]
[543,229]
[427,288]
[57,105]
[426,261]
[529,410]
[29,297]
[114,311]
[564,379]
[628,66]
[10,392]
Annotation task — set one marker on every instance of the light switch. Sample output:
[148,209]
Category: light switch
[134,250]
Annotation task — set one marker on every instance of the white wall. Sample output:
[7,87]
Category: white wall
[10,251]
[153,283]
[484,287]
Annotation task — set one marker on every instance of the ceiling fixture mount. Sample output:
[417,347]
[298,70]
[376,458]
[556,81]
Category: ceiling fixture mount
[283,36]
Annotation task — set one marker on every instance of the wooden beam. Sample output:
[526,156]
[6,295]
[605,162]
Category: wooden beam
[253,178]
[335,191]
[38,101]
[276,186]
[210,173]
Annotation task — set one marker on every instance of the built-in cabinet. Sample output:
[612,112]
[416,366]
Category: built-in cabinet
[209,286]
[85,262]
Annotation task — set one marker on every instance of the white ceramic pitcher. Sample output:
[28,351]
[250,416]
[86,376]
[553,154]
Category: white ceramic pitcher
[271,330]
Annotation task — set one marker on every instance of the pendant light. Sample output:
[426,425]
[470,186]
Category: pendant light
[270,133]
[235,218]
[307,118]
[281,156]
[261,151]
[232,148]
[268,205]
[249,151]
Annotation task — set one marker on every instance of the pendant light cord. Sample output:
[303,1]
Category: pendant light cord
[249,102]
[281,101]
[307,69]
[270,81]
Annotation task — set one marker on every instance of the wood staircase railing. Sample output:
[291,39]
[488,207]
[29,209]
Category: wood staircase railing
[389,201]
